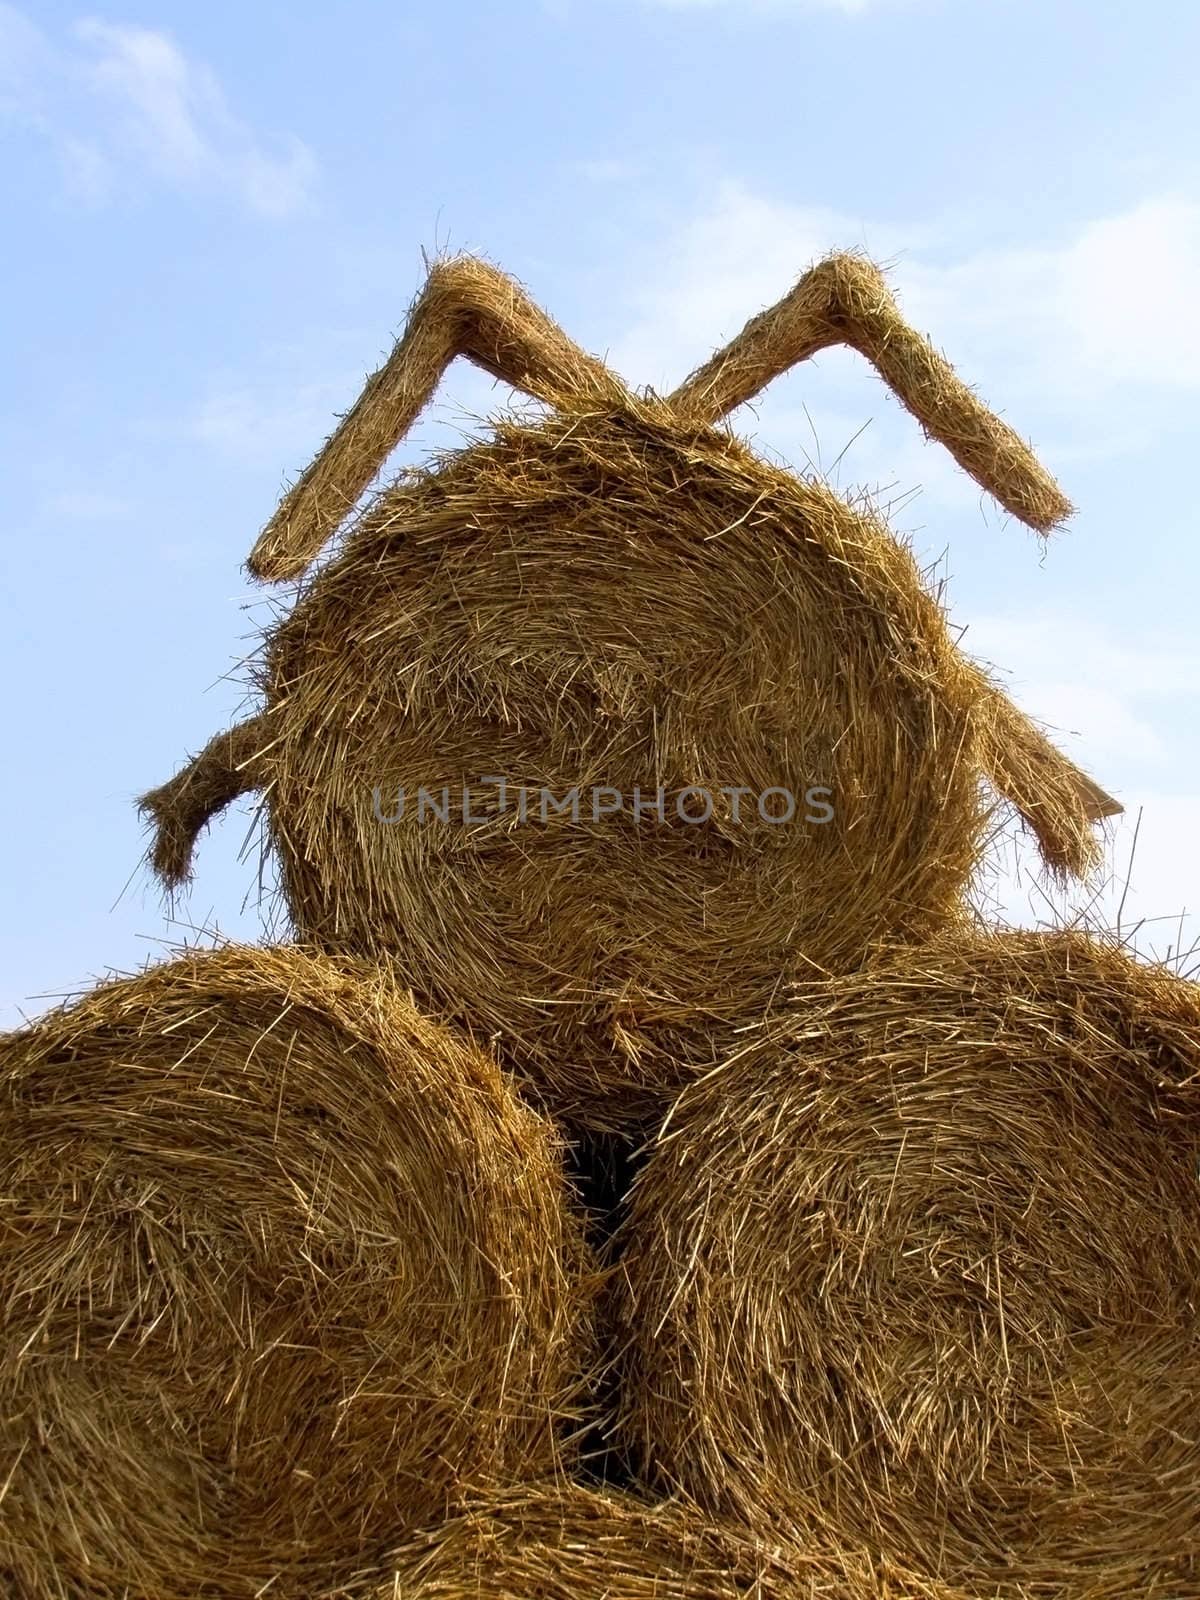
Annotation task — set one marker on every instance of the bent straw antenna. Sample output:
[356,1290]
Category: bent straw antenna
[470,308]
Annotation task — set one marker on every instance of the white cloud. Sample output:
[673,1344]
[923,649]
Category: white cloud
[1121,691]
[1115,304]
[157,94]
[742,252]
[121,103]
[1112,304]
[1123,705]
[1061,332]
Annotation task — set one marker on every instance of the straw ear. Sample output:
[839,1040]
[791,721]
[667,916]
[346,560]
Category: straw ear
[1057,800]
[467,308]
[227,767]
[845,300]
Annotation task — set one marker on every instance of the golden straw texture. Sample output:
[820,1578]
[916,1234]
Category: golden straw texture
[563,1543]
[845,300]
[280,1264]
[467,308]
[919,1270]
[228,766]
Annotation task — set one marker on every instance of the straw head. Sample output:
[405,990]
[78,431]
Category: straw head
[562,622]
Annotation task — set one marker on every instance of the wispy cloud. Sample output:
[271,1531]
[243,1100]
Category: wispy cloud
[1112,303]
[1071,667]
[1124,707]
[1063,331]
[122,104]
[741,251]
[1072,650]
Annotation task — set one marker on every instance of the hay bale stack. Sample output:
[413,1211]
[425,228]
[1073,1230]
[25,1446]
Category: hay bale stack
[280,1263]
[922,1266]
[617,600]
[564,1543]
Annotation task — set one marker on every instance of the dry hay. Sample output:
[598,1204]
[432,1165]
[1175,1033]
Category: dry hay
[280,1261]
[921,1268]
[623,597]
[556,1542]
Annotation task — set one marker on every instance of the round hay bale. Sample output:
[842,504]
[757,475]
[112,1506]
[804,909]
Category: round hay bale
[687,725]
[921,1268]
[597,608]
[547,610]
[280,1263]
[560,1542]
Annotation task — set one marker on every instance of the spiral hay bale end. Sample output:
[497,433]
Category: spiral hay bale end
[281,1263]
[920,1268]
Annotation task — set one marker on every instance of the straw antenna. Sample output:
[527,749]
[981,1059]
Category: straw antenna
[1056,799]
[467,308]
[179,809]
[470,308]
[845,300]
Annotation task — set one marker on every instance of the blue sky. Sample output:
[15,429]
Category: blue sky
[214,219]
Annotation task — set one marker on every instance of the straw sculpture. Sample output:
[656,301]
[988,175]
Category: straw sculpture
[559,1542]
[281,1264]
[919,1269]
[687,725]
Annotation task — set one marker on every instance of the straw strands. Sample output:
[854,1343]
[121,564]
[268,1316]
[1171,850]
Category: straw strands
[919,1268]
[612,643]
[583,630]
[559,1542]
[281,1265]
[469,308]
